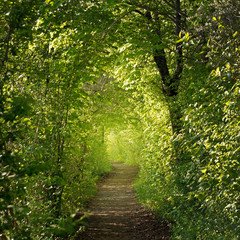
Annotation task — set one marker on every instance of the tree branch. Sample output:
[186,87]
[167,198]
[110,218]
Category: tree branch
[152,9]
[137,11]
[141,6]
[114,23]
[175,8]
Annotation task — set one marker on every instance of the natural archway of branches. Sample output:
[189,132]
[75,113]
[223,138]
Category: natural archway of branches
[154,84]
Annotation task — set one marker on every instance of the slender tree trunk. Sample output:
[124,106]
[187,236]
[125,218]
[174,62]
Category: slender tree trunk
[103,134]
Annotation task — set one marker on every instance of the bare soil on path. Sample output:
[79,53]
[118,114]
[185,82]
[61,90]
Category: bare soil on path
[115,213]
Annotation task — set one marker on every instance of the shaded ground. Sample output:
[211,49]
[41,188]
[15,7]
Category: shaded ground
[115,213]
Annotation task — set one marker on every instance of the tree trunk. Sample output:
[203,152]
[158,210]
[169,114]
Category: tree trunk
[170,84]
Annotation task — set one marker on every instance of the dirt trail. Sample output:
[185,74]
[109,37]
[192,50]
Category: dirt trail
[115,213]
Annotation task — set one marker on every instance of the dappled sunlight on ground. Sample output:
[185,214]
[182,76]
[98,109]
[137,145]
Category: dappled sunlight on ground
[115,213]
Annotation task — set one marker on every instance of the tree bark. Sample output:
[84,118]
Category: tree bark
[170,84]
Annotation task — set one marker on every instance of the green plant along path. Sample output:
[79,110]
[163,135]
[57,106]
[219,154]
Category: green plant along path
[152,83]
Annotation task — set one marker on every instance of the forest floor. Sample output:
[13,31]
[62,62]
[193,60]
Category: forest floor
[115,213]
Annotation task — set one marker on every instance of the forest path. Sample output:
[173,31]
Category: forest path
[115,213]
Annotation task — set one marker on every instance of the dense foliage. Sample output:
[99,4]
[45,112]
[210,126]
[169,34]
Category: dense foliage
[151,83]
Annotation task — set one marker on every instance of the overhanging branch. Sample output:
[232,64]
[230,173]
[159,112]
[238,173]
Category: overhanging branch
[114,23]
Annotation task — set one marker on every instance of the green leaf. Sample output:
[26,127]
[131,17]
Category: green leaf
[235,34]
